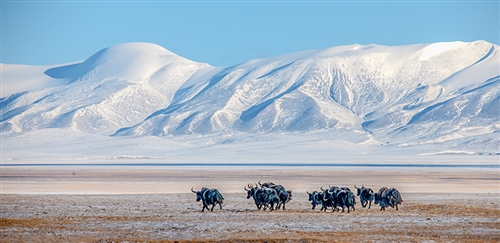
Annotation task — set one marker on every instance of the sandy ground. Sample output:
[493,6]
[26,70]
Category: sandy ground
[179,179]
[153,204]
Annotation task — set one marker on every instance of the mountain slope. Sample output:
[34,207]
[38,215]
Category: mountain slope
[118,86]
[444,94]
[376,90]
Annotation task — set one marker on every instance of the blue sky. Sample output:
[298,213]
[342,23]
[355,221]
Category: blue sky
[223,33]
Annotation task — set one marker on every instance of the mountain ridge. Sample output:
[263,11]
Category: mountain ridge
[407,95]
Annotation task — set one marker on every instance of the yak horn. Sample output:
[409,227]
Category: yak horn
[355,186]
[259,183]
[321,188]
[192,190]
[245,188]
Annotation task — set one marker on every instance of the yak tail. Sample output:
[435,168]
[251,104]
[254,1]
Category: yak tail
[399,198]
[218,196]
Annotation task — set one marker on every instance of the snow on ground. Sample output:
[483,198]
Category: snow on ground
[65,146]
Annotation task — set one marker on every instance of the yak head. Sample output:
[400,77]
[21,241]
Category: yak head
[311,195]
[250,190]
[199,194]
[358,190]
[361,190]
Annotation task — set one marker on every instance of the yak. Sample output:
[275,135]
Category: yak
[209,197]
[365,195]
[388,197]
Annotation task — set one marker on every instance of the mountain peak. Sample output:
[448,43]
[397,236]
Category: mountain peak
[412,94]
[129,61]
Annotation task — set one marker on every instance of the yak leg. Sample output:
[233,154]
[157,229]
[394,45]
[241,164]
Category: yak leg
[369,205]
[220,204]
[212,209]
[397,207]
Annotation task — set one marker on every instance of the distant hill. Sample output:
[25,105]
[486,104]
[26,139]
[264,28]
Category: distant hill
[440,93]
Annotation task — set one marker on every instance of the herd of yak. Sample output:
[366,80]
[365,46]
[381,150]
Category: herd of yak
[273,196]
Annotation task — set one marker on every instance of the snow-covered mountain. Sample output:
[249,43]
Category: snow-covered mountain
[444,94]
[116,87]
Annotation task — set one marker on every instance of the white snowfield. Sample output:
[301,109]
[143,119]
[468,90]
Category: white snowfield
[141,101]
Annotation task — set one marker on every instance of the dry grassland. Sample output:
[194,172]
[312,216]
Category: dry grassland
[423,217]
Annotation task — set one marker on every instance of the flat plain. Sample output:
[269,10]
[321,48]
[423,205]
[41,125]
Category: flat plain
[154,204]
